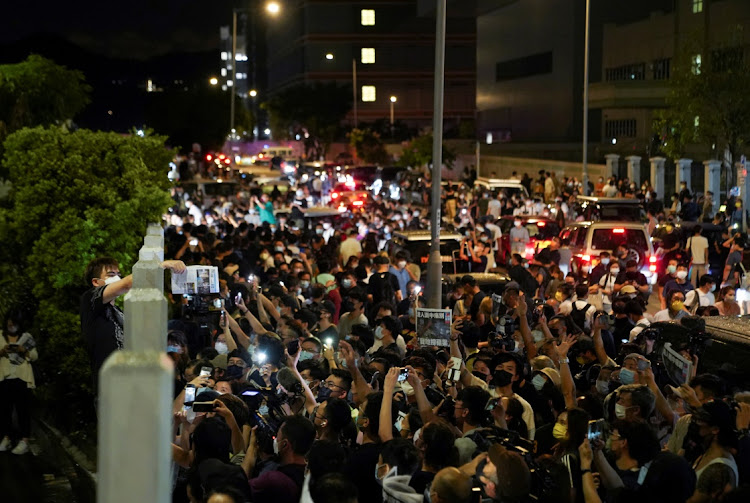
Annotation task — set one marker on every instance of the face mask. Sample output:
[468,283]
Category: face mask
[502,378]
[264,256]
[602,387]
[627,376]
[671,269]
[279,249]
[402,264]
[318,231]
[682,274]
[305,355]
[517,224]
[111,280]
[346,283]
[410,312]
[581,360]
[678,305]
[407,388]
[713,288]
[304,284]
[525,265]
[605,261]
[275,446]
[614,270]
[13,329]
[221,348]
[560,431]
[324,393]
[538,382]
[620,410]
[559,296]
[233,372]
[263,410]
[379,333]
[729,298]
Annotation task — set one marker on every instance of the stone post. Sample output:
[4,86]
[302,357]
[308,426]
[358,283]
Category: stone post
[634,169]
[713,181]
[612,165]
[135,393]
[657,176]
[683,173]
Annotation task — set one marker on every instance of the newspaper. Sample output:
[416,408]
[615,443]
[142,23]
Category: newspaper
[197,280]
[434,327]
[679,368]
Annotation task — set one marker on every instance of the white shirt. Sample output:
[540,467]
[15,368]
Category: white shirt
[496,233]
[698,246]
[349,248]
[494,208]
[566,307]
[610,191]
[642,324]
[663,315]
[588,316]
[704,299]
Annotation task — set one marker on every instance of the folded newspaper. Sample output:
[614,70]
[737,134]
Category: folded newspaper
[196,280]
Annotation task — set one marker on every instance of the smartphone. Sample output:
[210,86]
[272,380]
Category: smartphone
[250,392]
[189,394]
[491,404]
[374,377]
[596,427]
[293,347]
[206,372]
[217,303]
[194,242]
[403,375]
[643,364]
[454,374]
[203,406]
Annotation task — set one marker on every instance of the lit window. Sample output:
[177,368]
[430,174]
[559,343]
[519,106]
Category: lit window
[240,57]
[230,83]
[224,55]
[697,6]
[368,55]
[368,17]
[223,72]
[368,93]
[697,64]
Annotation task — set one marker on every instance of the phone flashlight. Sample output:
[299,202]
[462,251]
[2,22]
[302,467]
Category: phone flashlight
[417,290]
[260,357]
[329,341]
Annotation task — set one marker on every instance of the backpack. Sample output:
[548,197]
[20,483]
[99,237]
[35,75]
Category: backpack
[579,315]
[389,295]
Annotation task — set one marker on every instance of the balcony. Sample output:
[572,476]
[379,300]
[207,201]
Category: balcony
[629,94]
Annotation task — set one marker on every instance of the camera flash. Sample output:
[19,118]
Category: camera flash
[261,357]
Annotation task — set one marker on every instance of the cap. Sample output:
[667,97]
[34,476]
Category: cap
[220,361]
[514,477]
[628,289]
[553,374]
[328,306]
[512,285]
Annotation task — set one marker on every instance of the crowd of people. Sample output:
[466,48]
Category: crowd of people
[303,379]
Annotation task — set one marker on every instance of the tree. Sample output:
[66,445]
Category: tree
[38,92]
[369,146]
[314,111]
[418,152]
[75,196]
[708,103]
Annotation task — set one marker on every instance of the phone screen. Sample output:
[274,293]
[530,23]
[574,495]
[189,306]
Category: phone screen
[643,364]
[596,427]
[189,395]
[403,375]
[194,242]
[455,372]
[206,371]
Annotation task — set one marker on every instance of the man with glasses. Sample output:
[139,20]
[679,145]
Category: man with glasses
[337,385]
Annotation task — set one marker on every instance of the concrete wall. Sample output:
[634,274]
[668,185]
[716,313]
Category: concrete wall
[503,167]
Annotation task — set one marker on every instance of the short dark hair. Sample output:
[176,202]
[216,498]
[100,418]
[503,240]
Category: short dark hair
[710,384]
[643,446]
[422,363]
[300,432]
[633,307]
[391,324]
[325,456]
[357,294]
[344,376]
[317,371]
[631,263]
[582,290]
[94,268]
[474,400]
[401,453]
[212,438]
[468,279]
[706,279]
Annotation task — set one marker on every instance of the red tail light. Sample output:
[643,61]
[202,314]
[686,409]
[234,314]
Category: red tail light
[541,224]
[652,259]
[227,161]
[618,231]
[221,156]
[334,195]
[209,157]
[652,268]
[358,203]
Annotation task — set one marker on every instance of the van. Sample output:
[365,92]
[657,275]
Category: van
[610,208]
[271,152]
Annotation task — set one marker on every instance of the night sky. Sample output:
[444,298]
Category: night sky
[131,29]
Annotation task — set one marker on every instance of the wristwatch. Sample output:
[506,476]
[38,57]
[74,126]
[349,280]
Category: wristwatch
[564,360]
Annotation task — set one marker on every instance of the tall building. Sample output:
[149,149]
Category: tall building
[387,46]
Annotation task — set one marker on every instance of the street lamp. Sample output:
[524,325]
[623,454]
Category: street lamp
[393,102]
[253,93]
[585,177]
[213,81]
[273,8]
[329,56]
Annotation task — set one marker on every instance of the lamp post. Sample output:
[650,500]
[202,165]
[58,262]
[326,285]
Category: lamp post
[393,102]
[585,177]
[354,88]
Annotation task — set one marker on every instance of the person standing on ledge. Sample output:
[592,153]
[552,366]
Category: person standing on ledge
[101,320]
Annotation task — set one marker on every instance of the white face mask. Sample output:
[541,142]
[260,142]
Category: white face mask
[379,333]
[275,446]
[221,348]
[407,388]
[112,279]
[615,270]
[620,411]
[682,274]
[402,264]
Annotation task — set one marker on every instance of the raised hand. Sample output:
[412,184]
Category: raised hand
[565,344]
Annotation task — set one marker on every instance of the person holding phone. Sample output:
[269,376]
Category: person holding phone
[17,351]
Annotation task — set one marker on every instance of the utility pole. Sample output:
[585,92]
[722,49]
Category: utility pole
[435,263]
[354,89]
[234,73]
[585,181]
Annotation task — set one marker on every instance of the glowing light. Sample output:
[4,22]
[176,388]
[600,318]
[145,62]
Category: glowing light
[273,8]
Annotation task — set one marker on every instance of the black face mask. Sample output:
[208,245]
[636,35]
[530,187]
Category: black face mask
[324,393]
[233,372]
[502,378]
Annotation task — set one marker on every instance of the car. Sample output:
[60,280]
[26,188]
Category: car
[416,243]
[212,190]
[489,283]
[584,241]
[388,181]
[351,194]
[541,231]
[359,174]
[610,208]
[510,186]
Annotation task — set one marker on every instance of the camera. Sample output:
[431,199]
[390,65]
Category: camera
[203,406]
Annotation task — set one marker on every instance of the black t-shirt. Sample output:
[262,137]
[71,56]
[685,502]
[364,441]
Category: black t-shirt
[420,480]
[101,326]
[383,286]
[669,240]
[475,302]
[361,471]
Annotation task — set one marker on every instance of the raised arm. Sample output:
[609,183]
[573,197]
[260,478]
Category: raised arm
[568,387]
[238,443]
[596,334]
[291,362]
[385,430]
[361,385]
[528,340]
[425,408]
[589,486]
[242,337]
[269,307]
[256,325]
[662,405]
[224,325]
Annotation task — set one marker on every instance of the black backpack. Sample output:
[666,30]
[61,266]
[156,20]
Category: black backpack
[579,315]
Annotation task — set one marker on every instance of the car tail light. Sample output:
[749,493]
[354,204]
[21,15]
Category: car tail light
[586,258]
[221,156]
[652,259]
[541,224]
[358,203]
[652,268]
[618,231]
[334,195]
[227,160]
[209,157]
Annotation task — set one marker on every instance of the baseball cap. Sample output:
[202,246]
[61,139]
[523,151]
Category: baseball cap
[628,289]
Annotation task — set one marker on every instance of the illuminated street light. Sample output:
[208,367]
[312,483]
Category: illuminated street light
[213,81]
[273,8]
[394,99]
[329,56]
[253,93]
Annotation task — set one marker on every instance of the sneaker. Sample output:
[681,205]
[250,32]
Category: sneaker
[4,444]
[21,448]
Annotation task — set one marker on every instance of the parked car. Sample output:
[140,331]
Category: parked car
[351,195]
[489,283]
[586,240]
[417,244]
[541,231]
[620,209]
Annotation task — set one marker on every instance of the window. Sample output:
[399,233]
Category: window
[621,128]
[368,93]
[535,64]
[636,71]
[697,64]
[223,72]
[224,55]
[661,68]
[368,55]
[608,239]
[697,6]
[368,17]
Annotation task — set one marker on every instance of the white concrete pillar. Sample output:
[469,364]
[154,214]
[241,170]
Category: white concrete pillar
[683,173]
[135,392]
[657,176]
[713,181]
[613,161]
[634,169]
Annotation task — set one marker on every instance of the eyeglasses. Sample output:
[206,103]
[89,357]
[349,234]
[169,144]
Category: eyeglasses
[329,384]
